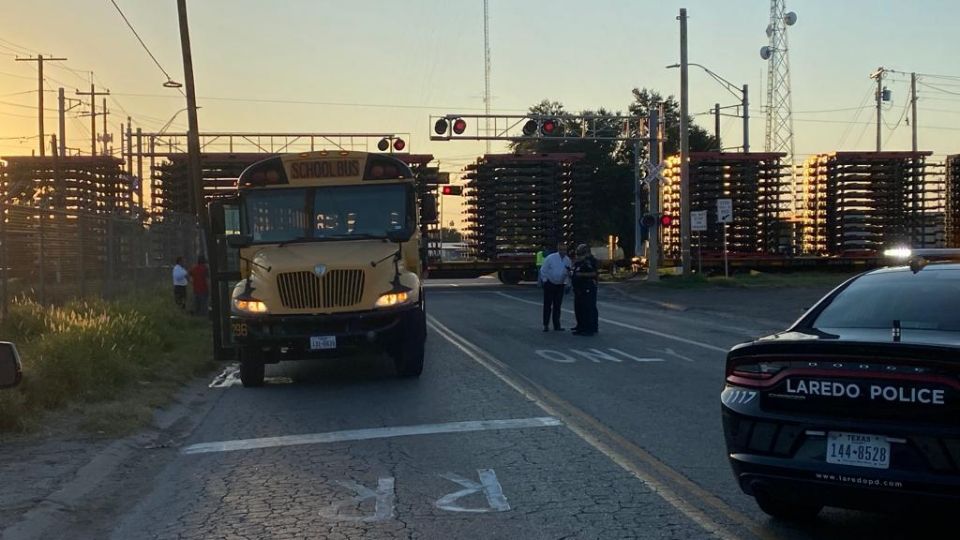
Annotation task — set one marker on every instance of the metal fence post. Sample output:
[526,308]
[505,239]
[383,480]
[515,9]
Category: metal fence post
[4,266]
[42,259]
[82,262]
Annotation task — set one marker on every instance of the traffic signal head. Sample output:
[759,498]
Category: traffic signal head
[666,220]
[441,126]
[648,220]
[452,190]
[383,145]
[399,145]
[459,126]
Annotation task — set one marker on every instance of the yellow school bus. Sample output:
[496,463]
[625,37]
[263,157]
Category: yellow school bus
[330,261]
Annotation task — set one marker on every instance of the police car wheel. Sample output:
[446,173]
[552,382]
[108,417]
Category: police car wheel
[252,369]
[787,510]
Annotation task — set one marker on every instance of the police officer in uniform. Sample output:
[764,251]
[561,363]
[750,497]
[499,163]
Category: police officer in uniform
[585,292]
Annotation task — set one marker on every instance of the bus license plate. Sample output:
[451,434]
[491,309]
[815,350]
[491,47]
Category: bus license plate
[858,450]
[320,343]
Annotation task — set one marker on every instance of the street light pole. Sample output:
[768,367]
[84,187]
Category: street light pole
[684,151]
[746,119]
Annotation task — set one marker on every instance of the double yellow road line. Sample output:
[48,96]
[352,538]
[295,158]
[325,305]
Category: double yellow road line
[694,502]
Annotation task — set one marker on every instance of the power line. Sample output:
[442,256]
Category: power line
[132,29]
[940,89]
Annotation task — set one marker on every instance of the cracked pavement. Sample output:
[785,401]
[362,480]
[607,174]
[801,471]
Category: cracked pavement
[547,481]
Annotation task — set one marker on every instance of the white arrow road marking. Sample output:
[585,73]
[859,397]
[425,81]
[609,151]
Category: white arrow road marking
[383,508]
[496,500]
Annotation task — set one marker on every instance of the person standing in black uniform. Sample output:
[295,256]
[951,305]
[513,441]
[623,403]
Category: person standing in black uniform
[585,292]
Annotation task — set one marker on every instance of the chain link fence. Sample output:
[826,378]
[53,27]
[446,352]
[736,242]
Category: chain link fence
[55,255]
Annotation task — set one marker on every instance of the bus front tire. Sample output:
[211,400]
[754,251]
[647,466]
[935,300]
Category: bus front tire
[409,352]
[252,369]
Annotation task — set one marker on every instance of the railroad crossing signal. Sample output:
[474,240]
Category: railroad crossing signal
[654,172]
[452,190]
[512,127]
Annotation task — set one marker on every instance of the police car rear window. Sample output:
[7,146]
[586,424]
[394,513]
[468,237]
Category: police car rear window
[927,300]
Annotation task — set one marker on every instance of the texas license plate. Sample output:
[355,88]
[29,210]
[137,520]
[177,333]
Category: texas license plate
[858,450]
[320,343]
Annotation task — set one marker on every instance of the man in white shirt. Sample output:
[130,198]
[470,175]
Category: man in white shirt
[554,278]
[180,284]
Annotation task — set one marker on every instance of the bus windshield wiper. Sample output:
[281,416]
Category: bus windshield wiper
[352,236]
[295,240]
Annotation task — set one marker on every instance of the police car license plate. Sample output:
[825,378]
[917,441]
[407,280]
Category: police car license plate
[858,450]
[319,343]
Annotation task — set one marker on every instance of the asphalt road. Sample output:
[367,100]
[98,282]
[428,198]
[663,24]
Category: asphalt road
[509,433]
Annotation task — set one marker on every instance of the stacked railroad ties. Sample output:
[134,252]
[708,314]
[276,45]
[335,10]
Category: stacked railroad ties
[88,226]
[519,204]
[848,204]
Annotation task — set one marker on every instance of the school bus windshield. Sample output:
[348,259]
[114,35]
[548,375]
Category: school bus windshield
[336,212]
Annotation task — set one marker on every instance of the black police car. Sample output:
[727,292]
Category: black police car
[857,405]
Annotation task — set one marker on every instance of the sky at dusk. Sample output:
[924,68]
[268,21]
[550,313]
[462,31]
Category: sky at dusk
[364,65]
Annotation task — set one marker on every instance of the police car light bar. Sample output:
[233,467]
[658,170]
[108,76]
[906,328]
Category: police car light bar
[928,253]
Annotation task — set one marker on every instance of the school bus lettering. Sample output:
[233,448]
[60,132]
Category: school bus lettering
[326,168]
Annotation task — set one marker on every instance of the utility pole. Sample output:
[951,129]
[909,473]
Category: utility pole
[486,66]
[62,110]
[913,108]
[684,150]
[653,247]
[716,125]
[193,137]
[39,60]
[878,75]
[93,115]
[128,135]
[105,137]
[746,119]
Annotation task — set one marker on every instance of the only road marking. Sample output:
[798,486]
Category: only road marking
[631,327]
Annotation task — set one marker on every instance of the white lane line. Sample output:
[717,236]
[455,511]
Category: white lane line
[631,327]
[371,433]
[502,372]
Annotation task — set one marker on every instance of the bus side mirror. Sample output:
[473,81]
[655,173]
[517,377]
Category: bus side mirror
[238,241]
[10,368]
[428,210]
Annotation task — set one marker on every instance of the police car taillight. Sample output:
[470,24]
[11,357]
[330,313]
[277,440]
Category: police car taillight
[269,172]
[753,370]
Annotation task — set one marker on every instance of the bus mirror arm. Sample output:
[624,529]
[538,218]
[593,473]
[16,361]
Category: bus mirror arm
[255,263]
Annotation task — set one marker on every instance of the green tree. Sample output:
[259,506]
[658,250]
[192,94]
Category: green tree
[448,234]
[612,163]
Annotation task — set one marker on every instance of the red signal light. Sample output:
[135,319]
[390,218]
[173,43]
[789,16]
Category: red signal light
[446,190]
[459,126]
[548,127]
[666,220]
[451,190]
[399,145]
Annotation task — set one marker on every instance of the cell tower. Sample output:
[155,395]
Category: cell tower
[779,128]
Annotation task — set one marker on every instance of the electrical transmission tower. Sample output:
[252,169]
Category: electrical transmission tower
[779,118]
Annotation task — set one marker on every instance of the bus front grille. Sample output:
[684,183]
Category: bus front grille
[335,289]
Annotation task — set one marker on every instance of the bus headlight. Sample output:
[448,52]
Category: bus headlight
[393,299]
[249,305]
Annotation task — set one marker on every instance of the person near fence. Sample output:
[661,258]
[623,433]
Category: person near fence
[199,275]
[180,275]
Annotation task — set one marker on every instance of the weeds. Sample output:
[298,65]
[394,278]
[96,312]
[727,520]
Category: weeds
[99,355]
